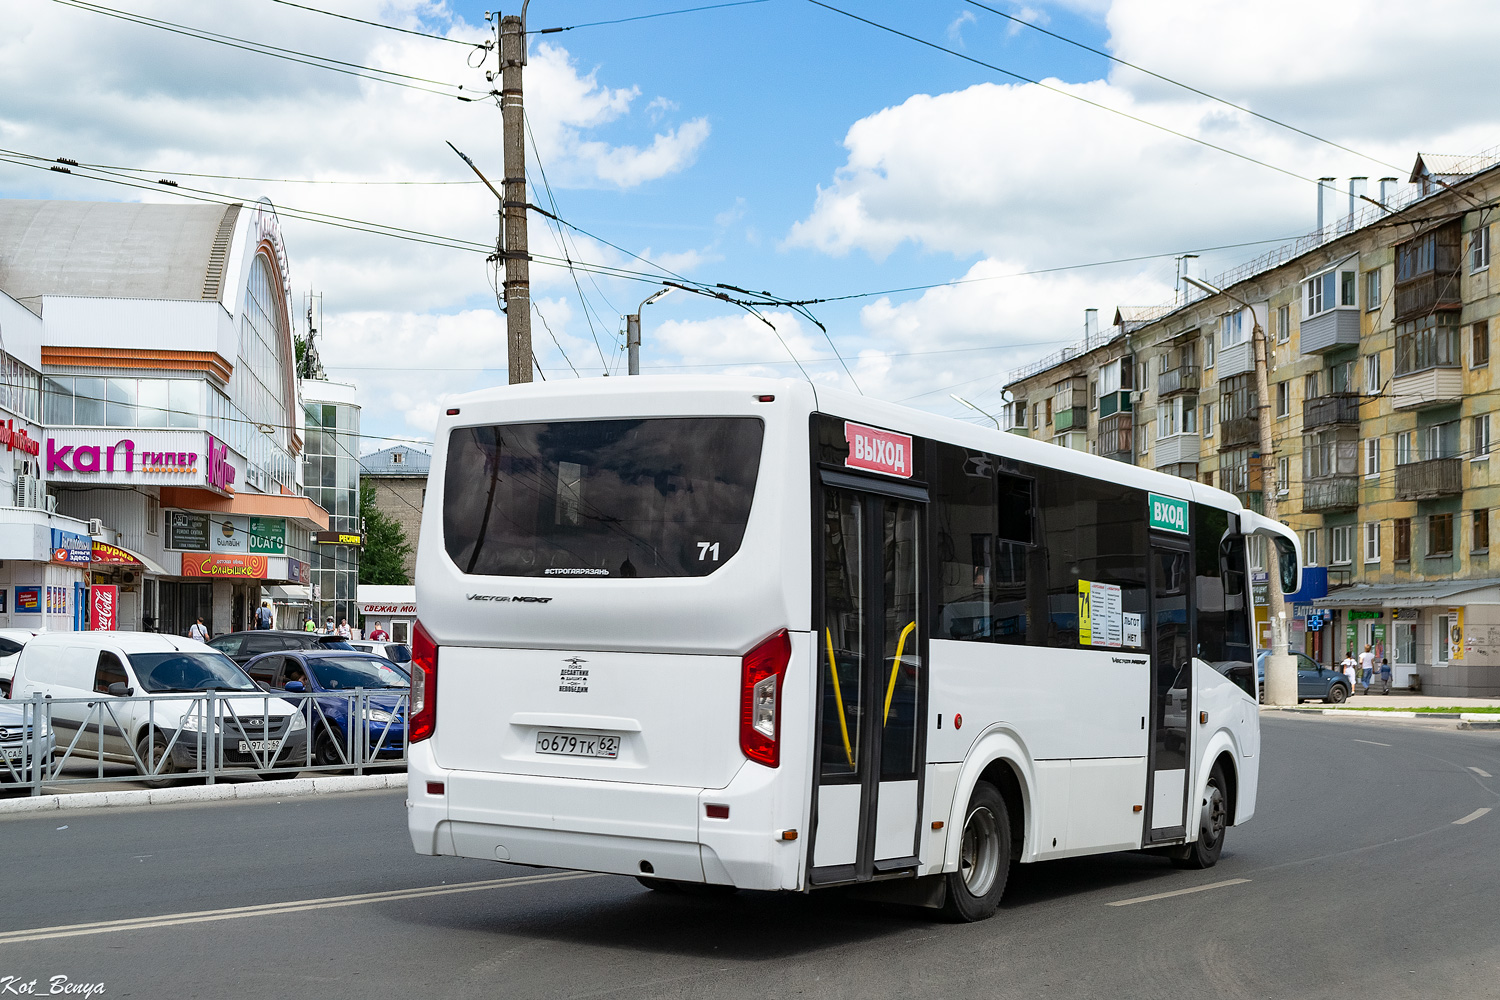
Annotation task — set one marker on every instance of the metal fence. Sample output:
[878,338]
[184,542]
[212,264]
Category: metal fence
[201,736]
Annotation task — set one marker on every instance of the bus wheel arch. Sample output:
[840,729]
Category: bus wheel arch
[996,758]
[1002,774]
[1225,761]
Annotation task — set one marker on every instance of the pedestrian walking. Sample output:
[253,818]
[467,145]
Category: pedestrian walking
[327,628]
[198,631]
[1385,676]
[1367,666]
[309,625]
[1348,666]
[344,630]
[263,617]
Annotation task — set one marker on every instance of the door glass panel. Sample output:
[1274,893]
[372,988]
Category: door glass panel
[899,676]
[1173,662]
[843,631]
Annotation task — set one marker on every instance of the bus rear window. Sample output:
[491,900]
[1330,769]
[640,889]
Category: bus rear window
[659,497]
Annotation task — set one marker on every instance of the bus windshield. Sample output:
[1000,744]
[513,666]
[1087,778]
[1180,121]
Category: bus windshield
[663,497]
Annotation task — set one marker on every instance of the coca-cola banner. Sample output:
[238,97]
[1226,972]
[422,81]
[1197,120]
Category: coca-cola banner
[104,608]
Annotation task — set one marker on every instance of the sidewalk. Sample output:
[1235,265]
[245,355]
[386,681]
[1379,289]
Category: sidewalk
[1404,700]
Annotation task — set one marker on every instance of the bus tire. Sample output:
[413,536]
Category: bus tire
[1213,818]
[974,890]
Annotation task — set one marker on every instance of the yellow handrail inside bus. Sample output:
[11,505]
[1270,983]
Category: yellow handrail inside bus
[839,695]
[890,689]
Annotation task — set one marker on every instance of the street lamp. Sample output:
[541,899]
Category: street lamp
[976,409]
[1281,667]
[633,331]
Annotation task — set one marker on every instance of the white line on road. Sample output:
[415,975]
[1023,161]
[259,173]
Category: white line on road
[276,909]
[1481,772]
[1373,743]
[1472,816]
[1180,892]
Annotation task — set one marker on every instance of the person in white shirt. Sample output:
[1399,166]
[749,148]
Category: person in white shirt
[1367,666]
[1349,666]
[198,631]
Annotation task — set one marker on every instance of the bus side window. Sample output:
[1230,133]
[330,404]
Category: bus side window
[964,507]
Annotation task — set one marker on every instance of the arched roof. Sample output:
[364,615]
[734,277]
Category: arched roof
[112,250]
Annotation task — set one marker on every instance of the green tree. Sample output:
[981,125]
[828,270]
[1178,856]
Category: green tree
[385,550]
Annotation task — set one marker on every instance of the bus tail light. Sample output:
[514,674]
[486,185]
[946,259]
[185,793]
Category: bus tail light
[423,712]
[761,671]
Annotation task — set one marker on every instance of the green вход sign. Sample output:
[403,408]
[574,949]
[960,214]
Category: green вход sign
[1168,513]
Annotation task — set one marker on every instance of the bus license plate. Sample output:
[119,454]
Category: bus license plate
[578,744]
[257,745]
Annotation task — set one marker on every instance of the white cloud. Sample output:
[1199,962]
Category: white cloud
[956,28]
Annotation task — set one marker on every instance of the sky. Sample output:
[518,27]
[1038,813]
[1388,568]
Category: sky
[777,145]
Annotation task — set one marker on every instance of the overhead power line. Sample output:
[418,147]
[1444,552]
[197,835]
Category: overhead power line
[643,17]
[378,24]
[1066,93]
[363,72]
[1178,83]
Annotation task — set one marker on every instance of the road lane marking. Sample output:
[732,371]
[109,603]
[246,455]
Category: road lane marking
[275,909]
[1373,743]
[1181,892]
[1472,816]
[1481,772]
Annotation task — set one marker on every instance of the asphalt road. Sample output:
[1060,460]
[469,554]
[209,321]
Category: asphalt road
[1359,883]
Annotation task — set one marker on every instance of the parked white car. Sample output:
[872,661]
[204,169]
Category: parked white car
[11,642]
[398,653]
[98,683]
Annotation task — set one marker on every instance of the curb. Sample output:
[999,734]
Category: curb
[1470,724]
[1465,720]
[292,788]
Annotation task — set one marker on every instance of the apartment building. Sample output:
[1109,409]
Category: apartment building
[1382,404]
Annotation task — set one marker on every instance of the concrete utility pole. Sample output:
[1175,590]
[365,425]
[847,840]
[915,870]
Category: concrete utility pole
[633,332]
[1281,666]
[514,252]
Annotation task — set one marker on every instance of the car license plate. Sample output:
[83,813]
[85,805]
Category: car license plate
[248,745]
[578,744]
[15,753]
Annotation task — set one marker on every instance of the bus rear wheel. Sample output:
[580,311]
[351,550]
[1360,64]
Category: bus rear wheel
[974,890]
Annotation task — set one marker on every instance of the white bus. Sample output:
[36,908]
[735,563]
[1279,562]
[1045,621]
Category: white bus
[752,633]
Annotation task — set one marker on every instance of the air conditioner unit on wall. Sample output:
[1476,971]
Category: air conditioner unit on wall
[28,491]
[51,504]
[96,527]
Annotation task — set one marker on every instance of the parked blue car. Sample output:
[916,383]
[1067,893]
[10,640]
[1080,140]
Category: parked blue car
[332,673]
[1314,681]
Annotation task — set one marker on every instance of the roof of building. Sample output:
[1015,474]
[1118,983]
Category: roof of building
[1425,594]
[112,249]
[400,460]
[1449,165]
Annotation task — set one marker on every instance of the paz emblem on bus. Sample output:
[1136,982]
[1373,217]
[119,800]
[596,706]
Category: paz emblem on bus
[874,450]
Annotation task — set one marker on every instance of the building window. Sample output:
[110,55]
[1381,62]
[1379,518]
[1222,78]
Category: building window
[1372,541]
[1208,420]
[1232,330]
[1440,639]
[1283,475]
[1329,453]
[1416,257]
[153,516]
[1404,447]
[1372,374]
[1234,470]
[1439,534]
[1283,324]
[1258,552]
[1237,398]
[1208,351]
[1036,415]
[1093,395]
[1342,544]
[1479,345]
[1441,441]
[1429,342]
[1310,387]
[1479,249]
[1326,291]
[398,457]
[1177,416]
[1482,436]
[1372,290]
[1481,533]
[1283,399]
[1310,547]
[1401,530]
[1372,458]
[1208,478]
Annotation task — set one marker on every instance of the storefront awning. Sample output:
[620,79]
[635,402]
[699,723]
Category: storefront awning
[291,593]
[1413,595]
[261,504]
[150,565]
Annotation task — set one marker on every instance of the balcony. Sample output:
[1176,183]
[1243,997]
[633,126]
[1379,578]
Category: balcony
[1114,402]
[1330,494]
[1330,410]
[1116,437]
[1187,378]
[1436,477]
[1176,449]
[1338,327]
[1436,290]
[1252,500]
[1239,432]
[1071,419]
[1426,389]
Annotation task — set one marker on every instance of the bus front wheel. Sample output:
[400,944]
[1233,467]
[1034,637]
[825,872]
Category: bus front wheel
[1213,817]
[974,890]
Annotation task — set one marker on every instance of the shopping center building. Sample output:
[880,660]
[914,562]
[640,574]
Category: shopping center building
[151,412]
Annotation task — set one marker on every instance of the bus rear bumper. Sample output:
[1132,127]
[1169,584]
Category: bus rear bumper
[621,828]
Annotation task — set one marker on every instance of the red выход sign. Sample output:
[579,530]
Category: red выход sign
[878,451]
